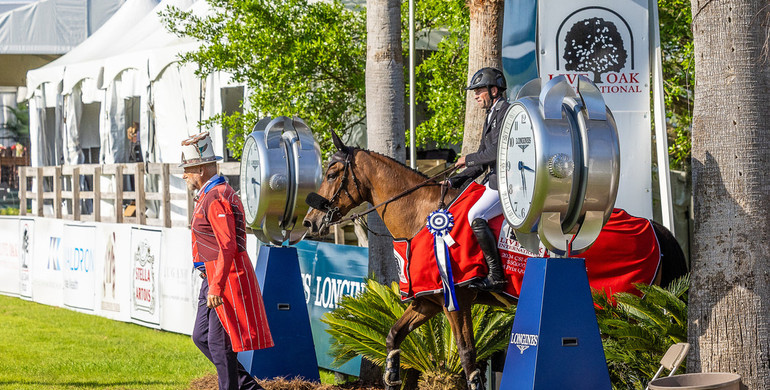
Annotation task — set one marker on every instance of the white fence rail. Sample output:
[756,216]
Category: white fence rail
[139,193]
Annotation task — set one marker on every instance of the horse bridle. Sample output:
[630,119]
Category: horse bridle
[319,202]
[347,171]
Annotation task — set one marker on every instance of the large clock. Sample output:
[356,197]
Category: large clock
[280,163]
[251,179]
[558,165]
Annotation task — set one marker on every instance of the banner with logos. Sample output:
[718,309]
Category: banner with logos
[9,256]
[330,271]
[181,282]
[609,44]
[145,273]
[79,269]
[26,256]
[48,264]
[116,271]
[113,270]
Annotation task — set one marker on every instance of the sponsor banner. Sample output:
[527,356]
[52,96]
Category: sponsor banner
[26,256]
[78,266]
[609,45]
[9,256]
[512,254]
[48,266]
[635,186]
[329,272]
[113,275]
[145,274]
[180,283]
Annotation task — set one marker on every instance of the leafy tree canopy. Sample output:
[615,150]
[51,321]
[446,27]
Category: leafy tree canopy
[307,58]
[441,77]
[296,57]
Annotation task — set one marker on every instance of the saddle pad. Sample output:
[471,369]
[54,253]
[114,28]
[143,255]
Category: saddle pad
[626,252]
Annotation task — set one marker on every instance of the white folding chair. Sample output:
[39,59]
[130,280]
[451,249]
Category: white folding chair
[672,359]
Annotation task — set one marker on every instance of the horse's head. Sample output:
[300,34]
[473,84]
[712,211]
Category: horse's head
[340,191]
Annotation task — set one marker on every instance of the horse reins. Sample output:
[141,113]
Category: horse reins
[331,211]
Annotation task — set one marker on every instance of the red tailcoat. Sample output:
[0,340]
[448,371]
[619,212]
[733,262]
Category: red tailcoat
[219,241]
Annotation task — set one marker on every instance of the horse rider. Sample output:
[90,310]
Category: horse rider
[488,86]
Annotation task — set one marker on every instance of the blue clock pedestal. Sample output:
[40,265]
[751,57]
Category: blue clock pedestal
[293,355]
[555,341]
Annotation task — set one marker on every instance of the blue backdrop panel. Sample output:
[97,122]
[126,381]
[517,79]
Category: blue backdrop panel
[329,272]
[293,354]
[555,341]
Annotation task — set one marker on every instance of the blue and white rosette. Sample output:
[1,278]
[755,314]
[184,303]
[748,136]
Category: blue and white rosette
[440,223]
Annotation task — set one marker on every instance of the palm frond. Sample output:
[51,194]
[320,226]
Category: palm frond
[360,324]
[637,331]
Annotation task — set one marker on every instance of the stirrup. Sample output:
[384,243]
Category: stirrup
[487,285]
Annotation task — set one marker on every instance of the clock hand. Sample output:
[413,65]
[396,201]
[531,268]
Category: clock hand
[523,183]
[524,167]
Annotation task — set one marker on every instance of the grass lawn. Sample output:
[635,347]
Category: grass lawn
[45,347]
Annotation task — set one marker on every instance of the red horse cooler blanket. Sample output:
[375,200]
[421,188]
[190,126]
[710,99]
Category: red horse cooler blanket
[626,252]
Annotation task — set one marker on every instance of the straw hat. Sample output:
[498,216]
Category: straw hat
[198,150]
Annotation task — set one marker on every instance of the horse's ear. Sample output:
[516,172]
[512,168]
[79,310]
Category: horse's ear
[338,142]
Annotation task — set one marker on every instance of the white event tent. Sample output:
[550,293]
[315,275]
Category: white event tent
[126,72]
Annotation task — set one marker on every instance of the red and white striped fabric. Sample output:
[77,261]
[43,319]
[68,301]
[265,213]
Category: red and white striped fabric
[219,241]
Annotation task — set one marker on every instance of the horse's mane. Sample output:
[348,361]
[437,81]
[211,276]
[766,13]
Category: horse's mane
[352,150]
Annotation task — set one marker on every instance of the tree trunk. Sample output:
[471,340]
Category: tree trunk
[729,301]
[385,127]
[384,111]
[485,49]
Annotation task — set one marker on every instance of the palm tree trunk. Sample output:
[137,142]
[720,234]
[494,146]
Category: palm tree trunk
[729,319]
[485,49]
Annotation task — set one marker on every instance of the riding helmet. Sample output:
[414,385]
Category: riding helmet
[488,77]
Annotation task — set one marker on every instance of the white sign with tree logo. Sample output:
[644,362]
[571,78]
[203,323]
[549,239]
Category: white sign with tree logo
[609,44]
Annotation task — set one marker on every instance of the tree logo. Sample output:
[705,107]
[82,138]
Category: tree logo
[598,42]
[594,45]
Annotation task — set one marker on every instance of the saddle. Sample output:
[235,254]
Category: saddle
[626,252]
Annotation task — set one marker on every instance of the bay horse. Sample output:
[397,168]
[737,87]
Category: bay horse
[355,176]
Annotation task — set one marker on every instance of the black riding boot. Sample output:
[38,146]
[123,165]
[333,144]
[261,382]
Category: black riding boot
[495,280]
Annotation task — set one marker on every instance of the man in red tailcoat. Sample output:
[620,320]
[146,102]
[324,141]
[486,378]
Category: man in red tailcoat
[231,314]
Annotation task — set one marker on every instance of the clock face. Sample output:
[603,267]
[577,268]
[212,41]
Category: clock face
[250,179]
[517,153]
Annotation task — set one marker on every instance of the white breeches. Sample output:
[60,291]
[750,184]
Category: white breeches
[487,207]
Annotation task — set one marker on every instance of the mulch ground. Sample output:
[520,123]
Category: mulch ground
[210,383]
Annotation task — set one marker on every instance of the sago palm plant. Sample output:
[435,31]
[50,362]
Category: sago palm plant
[360,324]
[637,331]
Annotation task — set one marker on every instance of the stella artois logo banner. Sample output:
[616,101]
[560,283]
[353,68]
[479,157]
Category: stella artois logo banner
[608,42]
[145,291]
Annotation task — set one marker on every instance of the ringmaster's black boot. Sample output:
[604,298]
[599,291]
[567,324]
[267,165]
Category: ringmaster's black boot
[495,280]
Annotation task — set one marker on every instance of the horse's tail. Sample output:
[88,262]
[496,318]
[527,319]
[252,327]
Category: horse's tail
[674,263]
